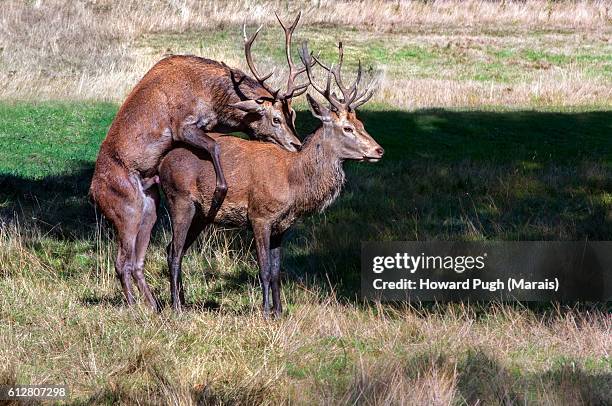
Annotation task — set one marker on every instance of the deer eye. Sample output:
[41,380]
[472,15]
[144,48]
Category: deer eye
[276,120]
[348,130]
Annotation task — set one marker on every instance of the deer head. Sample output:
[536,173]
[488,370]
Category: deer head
[340,123]
[272,118]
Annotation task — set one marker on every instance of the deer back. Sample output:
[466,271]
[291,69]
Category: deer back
[257,174]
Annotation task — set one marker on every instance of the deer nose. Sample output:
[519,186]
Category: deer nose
[380,151]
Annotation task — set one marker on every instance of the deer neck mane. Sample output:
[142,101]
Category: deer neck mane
[316,173]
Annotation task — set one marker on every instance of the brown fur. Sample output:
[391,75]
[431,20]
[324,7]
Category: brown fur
[179,100]
[179,90]
[293,184]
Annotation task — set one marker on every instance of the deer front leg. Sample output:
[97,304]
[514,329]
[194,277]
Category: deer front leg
[198,138]
[261,230]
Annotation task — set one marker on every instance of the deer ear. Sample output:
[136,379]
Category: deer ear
[320,112]
[250,106]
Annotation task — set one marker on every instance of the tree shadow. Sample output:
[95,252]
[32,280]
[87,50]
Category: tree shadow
[482,379]
[58,204]
[464,175]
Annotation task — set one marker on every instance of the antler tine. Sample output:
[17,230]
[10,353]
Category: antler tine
[300,90]
[248,42]
[364,96]
[352,91]
[338,73]
[358,103]
[352,97]
[291,28]
[307,59]
[348,94]
[330,72]
[294,72]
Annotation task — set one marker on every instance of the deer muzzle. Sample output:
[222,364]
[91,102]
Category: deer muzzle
[375,154]
[293,145]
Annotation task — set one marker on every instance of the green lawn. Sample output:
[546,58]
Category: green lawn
[50,139]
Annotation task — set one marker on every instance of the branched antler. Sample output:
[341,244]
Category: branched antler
[308,59]
[292,90]
[351,97]
[248,42]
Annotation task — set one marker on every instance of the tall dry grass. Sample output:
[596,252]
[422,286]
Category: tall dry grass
[69,327]
[90,49]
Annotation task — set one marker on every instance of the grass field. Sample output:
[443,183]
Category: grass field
[523,53]
[496,124]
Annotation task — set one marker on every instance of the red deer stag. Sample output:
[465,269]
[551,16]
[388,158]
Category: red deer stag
[181,99]
[294,183]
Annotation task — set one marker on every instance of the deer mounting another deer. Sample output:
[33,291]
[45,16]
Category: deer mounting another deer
[293,185]
[182,99]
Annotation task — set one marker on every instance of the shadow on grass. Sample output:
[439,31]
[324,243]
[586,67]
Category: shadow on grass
[481,379]
[511,175]
[57,204]
[470,377]
[117,300]
[114,300]
[475,175]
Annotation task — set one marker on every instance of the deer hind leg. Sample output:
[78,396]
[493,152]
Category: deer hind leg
[182,211]
[117,194]
[126,216]
[120,196]
[149,217]
[124,263]
[261,231]
[275,262]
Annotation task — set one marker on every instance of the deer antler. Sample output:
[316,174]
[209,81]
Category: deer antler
[292,89]
[308,59]
[294,72]
[364,96]
[248,42]
[351,97]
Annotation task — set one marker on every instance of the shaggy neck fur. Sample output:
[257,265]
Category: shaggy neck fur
[317,173]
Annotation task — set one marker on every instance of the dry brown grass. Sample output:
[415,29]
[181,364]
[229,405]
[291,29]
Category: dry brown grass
[93,49]
[324,351]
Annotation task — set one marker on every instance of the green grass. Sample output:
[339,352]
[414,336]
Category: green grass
[498,174]
[447,174]
[502,56]
[41,140]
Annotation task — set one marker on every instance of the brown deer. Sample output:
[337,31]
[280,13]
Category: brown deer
[270,201]
[181,99]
